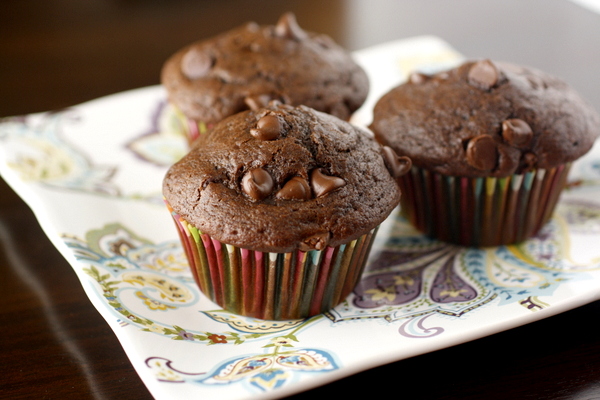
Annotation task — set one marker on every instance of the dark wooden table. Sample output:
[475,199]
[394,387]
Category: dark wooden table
[57,53]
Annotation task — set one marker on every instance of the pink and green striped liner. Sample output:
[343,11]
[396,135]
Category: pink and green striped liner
[273,286]
[481,211]
[192,129]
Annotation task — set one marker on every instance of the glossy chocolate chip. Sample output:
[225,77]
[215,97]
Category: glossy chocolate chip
[397,166]
[257,183]
[508,160]
[196,64]
[482,153]
[315,242]
[257,101]
[536,82]
[324,41]
[484,75]
[529,161]
[417,78]
[255,47]
[252,27]
[322,183]
[296,188]
[287,27]
[517,133]
[267,128]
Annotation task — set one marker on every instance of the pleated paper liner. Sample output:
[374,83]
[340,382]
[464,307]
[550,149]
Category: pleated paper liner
[481,211]
[273,286]
[192,129]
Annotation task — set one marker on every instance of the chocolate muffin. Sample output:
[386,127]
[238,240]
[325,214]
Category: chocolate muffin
[248,66]
[491,145]
[282,186]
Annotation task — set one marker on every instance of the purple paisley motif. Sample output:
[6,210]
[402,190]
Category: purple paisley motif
[448,287]
[390,288]
[403,282]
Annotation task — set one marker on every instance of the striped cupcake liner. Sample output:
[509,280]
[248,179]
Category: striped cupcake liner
[273,286]
[192,129]
[481,211]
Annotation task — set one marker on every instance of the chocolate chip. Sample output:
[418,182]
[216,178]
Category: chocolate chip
[257,101]
[322,183]
[287,27]
[257,183]
[517,133]
[315,242]
[482,153]
[223,75]
[295,189]
[536,82]
[267,128]
[417,78]
[484,75]
[252,27]
[530,161]
[397,166]
[196,64]
[508,160]
[324,41]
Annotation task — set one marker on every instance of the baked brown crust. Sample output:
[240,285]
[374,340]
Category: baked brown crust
[250,65]
[486,119]
[222,186]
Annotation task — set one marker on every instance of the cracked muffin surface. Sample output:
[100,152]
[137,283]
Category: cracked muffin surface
[283,178]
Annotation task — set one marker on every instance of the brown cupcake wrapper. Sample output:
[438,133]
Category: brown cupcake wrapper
[273,286]
[481,211]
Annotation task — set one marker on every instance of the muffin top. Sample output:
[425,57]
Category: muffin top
[247,67]
[282,178]
[486,118]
